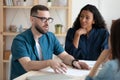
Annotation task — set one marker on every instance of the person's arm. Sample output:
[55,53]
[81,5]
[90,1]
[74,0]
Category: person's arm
[105,54]
[77,35]
[69,46]
[28,64]
[66,58]
[37,65]
[106,73]
[99,61]
[69,60]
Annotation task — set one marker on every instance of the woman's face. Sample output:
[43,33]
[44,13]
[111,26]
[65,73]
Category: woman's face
[86,19]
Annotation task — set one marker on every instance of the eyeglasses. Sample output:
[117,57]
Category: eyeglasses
[44,19]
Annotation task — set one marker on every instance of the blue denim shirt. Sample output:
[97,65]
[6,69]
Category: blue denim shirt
[110,71]
[89,47]
[24,46]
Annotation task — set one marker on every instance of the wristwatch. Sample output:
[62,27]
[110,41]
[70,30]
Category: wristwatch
[73,62]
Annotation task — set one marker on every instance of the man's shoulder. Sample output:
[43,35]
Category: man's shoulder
[50,34]
[25,34]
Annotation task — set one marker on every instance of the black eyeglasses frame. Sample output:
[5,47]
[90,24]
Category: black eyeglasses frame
[44,19]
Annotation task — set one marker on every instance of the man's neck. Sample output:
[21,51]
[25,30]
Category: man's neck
[36,34]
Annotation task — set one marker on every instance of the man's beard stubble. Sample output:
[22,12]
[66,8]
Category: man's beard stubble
[39,29]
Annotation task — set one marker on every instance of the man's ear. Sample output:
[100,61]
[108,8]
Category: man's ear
[32,19]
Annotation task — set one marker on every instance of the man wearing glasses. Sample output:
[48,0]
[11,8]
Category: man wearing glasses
[34,48]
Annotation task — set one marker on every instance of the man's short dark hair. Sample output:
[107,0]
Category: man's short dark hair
[34,9]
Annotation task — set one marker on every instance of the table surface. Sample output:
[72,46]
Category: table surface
[37,73]
[77,74]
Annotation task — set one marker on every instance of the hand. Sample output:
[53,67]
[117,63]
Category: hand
[81,31]
[58,67]
[81,65]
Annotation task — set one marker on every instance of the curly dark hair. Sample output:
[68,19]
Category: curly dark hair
[99,21]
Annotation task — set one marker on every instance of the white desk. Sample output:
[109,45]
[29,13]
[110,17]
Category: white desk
[37,73]
[75,73]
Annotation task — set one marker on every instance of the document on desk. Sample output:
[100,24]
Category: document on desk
[78,72]
[90,63]
[72,73]
[51,77]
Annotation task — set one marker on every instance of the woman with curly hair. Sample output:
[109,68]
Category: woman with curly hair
[88,37]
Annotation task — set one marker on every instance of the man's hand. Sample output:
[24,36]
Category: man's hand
[58,67]
[81,65]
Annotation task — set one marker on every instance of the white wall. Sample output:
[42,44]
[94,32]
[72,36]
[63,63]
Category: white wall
[110,11]
[78,4]
[108,8]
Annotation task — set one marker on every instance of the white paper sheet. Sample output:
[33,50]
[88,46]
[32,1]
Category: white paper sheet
[76,72]
[90,63]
